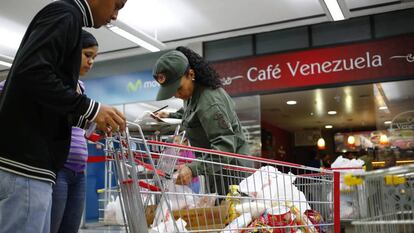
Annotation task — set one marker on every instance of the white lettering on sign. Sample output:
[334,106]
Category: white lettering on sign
[409,57]
[228,80]
[151,84]
[335,66]
[403,121]
[255,74]
[271,72]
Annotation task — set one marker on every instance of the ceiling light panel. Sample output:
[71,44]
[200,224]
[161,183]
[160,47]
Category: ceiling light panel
[319,102]
[6,64]
[133,38]
[335,9]
[136,36]
[151,16]
[11,36]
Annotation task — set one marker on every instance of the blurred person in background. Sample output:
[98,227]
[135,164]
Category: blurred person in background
[367,157]
[316,160]
[328,160]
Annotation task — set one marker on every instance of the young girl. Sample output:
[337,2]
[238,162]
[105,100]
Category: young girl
[68,197]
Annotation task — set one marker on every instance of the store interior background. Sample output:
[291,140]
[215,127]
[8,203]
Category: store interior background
[275,130]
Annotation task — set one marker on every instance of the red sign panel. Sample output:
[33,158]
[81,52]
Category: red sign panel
[387,59]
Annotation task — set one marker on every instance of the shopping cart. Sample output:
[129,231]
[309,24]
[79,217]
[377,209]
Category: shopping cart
[272,197]
[110,210]
[348,209]
[385,200]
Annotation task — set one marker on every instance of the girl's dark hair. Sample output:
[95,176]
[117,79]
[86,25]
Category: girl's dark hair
[205,74]
[88,40]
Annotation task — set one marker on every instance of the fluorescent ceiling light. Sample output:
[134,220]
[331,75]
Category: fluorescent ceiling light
[328,126]
[335,9]
[3,63]
[331,112]
[387,122]
[11,34]
[291,102]
[136,36]
[380,99]
[6,60]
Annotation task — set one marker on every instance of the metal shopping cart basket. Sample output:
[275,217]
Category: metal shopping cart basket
[271,197]
[385,200]
[348,208]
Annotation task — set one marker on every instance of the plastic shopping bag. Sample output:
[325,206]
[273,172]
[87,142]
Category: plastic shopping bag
[113,212]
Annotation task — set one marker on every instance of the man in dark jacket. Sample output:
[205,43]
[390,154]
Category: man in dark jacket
[39,105]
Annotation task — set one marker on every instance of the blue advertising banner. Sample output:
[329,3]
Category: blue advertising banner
[122,89]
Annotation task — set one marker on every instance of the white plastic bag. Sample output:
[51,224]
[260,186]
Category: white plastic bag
[348,166]
[242,221]
[113,212]
[254,208]
[168,227]
[183,197]
[255,183]
[273,188]
[110,212]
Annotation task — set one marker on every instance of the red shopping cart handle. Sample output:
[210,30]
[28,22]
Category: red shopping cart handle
[148,186]
[94,137]
[143,184]
[149,167]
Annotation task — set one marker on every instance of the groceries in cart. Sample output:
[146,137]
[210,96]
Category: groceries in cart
[275,197]
[270,202]
[275,205]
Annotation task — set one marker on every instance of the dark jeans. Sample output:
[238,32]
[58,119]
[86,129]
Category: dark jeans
[68,201]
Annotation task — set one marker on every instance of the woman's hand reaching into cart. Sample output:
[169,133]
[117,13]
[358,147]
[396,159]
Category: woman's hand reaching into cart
[184,176]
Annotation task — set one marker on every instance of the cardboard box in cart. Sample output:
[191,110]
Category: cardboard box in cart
[198,218]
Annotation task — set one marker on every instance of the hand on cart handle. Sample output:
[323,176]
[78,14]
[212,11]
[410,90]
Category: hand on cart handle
[110,119]
[184,176]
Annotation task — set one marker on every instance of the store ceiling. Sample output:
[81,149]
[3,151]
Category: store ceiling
[357,107]
[181,22]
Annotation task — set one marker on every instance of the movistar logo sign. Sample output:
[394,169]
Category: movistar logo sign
[132,87]
[138,84]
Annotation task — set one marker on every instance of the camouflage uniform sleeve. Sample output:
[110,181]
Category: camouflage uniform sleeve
[216,124]
[178,114]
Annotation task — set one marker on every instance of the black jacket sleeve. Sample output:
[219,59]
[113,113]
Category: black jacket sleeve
[51,44]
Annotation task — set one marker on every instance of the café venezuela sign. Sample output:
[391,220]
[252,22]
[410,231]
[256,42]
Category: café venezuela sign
[379,60]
